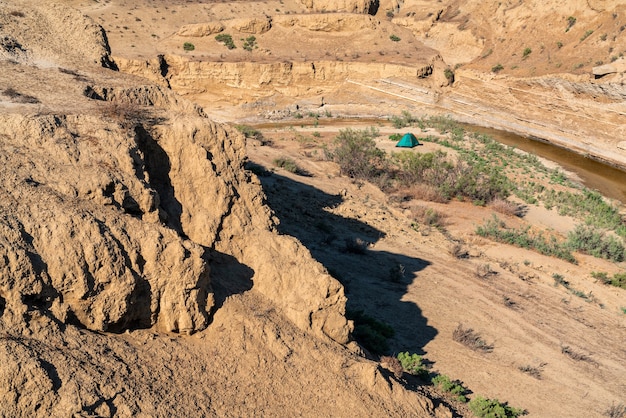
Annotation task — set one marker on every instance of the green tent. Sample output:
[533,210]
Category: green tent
[408,141]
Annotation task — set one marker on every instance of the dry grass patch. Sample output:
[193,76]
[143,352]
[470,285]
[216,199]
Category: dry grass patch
[393,365]
[505,207]
[471,339]
[533,371]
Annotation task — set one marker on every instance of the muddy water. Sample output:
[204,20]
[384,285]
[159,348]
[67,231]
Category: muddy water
[606,179]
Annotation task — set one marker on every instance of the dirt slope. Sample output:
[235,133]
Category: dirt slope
[145,272]
[127,224]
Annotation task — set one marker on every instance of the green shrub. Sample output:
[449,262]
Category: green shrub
[492,408]
[412,363]
[394,38]
[356,153]
[586,35]
[444,383]
[449,74]
[249,132]
[289,165]
[526,52]
[395,137]
[618,279]
[497,68]
[592,241]
[570,22]
[188,46]
[497,230]
[250,43]
[226,39]
[370,333]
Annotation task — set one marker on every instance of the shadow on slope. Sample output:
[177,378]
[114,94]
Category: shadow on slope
[374,281]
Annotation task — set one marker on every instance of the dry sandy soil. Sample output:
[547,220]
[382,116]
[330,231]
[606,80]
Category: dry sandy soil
[518,308]
[265,350]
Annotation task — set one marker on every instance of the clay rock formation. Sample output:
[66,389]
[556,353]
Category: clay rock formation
[81,232]
[200,29]
[112,218]
[64,35]
[349,6]
[335,22]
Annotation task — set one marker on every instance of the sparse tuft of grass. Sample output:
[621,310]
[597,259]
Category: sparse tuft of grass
[574,355]
[471,339]
[289,164]
[534,371]
[393,364]
[616,411]
[618,279]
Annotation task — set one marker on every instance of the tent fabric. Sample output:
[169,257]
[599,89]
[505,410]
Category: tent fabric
[408,141]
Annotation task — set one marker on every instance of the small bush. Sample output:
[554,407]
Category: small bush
[453,387]
[570,22]
[449,74]
[471,339]
[412,363]
[618,279]
[497,68]
[226,39]
[526,52]
[574,355]
[355,246]
[287,164]
[497,230]
[559,44]
[393,364]
[484,270]
[188,46]
[427,216]
[394,38]
[19,97]
[250,43]
[586,35]
[395,137]
[249,132]
[492,408]
[357,155]
[594,242]
[396,273]
[616,411]
[505,207]
[534,371]
[370,333]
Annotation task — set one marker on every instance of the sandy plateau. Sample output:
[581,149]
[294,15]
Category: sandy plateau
[156,262]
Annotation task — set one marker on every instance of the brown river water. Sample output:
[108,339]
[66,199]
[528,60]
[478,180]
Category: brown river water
[606,179]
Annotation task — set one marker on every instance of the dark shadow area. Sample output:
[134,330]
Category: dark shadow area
[374,281]
[228,276]
[157,164]
[52,373]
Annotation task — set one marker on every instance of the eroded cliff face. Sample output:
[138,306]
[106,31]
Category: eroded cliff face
[116,221]
[125,208]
